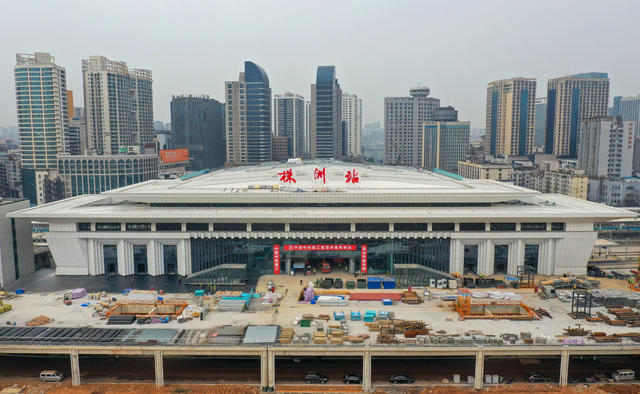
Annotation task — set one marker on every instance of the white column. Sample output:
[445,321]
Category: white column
[91,256]
[184,257]
[512,259]
[564,366]
[366,370]
[157,358]
[456,256]
[264,369]
[124,251]
[152,268]
[272,368]
[485,265]
[549,256]
[479,375]
[75,367]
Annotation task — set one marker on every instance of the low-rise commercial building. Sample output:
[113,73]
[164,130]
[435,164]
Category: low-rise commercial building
[563,181]
[91,174]
[494,171]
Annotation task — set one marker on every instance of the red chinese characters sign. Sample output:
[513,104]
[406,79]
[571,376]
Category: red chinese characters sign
[276,259]
[320,247]
[352,176]
[320,174]
[363,259]
[286,176]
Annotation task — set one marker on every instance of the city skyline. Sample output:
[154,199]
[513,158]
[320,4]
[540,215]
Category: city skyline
[557,49]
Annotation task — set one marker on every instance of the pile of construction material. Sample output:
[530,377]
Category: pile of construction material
[319,338]
[229,305]
[140,296]
[624,316]
[189,313]
[331,300]
[286,335]
[411,297]
[4,307]
[608,320]
[629,315]
[226,335]
[337,333]
[616,298]
[407,328]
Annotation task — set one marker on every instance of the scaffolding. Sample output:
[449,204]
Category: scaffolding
[581,302]
[526,276]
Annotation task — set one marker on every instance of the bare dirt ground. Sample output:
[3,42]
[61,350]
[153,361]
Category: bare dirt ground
[35,387]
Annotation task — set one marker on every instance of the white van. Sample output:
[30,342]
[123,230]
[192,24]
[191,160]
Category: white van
[623,374]
[51,375]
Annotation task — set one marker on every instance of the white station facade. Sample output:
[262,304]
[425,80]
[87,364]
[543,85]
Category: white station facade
[284,217]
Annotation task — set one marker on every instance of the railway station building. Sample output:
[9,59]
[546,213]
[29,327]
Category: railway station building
[279,218]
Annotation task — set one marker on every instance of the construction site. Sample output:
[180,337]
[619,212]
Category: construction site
[494,333]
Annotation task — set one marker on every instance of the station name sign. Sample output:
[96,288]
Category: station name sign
[320,247]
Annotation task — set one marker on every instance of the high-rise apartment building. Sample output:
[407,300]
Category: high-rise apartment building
[41,99]
[606,147]
[198,125]
[540,121]
[615,110]
[248,116]
[445,144]
[10,176]
[628,108]
[571,99]
[289,122]
[510,117]
[307,127]
[445,114]
[70,108]
[325,131]
[118,102]
[352,116]
[76,132]
[403,126]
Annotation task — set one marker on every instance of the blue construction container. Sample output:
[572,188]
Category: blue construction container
[389,283]
[374,282]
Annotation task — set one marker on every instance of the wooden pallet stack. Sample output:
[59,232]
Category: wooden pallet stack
[336,336]
[411,297]
[319,338]
[286,335]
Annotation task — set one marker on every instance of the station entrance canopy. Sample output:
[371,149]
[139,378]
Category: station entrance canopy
[339,247]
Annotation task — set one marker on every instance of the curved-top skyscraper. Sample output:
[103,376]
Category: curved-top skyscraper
[248,116]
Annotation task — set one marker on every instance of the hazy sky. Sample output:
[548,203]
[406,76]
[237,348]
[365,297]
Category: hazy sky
[379,48]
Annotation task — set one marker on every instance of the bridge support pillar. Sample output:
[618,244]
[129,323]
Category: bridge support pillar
[479,375]
[271,367]
[264,369]
[366,370]
[75,367]
[157,359]
[564,366]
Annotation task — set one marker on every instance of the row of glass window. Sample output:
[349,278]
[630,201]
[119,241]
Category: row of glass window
[342,227]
